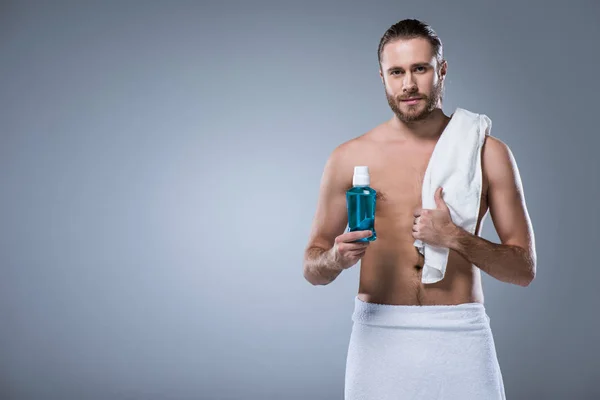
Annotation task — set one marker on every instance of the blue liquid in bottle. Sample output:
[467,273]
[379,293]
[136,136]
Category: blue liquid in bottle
[361,202]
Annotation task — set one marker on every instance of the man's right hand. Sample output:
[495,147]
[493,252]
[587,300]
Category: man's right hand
[345,252]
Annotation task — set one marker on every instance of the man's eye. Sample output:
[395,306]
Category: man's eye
[420,69]
[395,72]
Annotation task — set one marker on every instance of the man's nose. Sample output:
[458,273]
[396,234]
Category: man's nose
[409,85]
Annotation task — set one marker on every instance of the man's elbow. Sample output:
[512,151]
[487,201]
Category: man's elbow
[528,266]
[526,281]
[313,278]
[317,279]
[309,277]
[529,276]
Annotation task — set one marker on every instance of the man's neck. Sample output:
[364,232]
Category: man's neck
[429,128]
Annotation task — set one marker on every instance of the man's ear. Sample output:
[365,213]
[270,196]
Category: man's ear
[443,69]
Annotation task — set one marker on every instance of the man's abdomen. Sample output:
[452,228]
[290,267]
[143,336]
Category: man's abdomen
[391,274]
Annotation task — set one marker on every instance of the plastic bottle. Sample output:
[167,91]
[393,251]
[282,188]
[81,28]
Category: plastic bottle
[360,202]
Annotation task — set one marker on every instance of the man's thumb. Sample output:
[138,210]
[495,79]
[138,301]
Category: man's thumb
[439,201]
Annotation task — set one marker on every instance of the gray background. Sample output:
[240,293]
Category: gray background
[160,163]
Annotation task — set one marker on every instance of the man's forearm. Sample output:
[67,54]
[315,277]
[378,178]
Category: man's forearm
[507,263]
[320,268]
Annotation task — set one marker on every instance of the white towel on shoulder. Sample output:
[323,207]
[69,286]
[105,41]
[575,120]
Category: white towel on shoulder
[455,165]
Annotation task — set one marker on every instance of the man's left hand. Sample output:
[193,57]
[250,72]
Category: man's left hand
[434,227]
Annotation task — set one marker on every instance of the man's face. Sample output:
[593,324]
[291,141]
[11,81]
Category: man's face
[409,70]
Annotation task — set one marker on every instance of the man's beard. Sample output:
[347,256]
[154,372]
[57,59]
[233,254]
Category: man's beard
[413,113]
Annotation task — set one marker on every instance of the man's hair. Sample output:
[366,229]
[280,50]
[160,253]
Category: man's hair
[411,29]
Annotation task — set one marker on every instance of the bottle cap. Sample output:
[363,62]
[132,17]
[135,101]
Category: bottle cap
[361,176]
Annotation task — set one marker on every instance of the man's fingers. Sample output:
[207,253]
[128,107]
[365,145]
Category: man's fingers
[358,253]
[352,236]
[417,213]
[356,246]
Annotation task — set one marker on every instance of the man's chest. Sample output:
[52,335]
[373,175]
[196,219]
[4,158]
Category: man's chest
[398,180]
[398,176]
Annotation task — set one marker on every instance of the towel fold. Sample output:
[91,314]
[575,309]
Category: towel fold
[455,165]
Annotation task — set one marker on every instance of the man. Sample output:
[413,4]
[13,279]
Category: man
[381,365]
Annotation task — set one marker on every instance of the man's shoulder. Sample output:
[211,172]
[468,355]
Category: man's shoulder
[358,143]
[497,159]
[351,147]
[495,150]
[347,147]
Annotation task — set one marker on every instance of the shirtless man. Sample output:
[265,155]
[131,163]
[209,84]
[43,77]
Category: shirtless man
[397,153]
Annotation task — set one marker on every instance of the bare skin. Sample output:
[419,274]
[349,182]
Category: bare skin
[397,153]
[391,267]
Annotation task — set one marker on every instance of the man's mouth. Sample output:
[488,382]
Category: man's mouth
[413,100]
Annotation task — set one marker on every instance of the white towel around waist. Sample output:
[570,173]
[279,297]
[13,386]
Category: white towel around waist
[422,352]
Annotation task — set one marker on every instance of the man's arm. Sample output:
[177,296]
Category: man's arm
[320,264]
[513,261]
